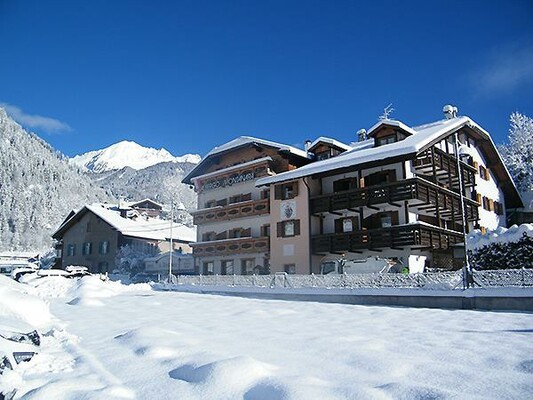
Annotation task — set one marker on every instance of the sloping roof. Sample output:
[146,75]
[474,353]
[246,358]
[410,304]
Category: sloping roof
[242,141]
[149,228]
[426,135]
[134,203]
[330,141]
[421,137]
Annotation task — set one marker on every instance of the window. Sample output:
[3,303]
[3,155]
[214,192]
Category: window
[210,203]
[290,268]
[71,250]
[381,177]
[265,194]
[348,224]
[344,184]
[240,198]
[227,267]
[484,173]
[208,268]
[103,267]
[286,191]
[86,249]
[103,247]
[247,266]
[386,140]
[208,236]
[223,202]
[88,227]
[265,230]
[289,228]
[386,221]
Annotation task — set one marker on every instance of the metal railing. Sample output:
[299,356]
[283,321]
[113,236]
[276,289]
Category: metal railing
[433,281]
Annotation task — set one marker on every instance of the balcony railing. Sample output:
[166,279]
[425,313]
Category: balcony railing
[427,192]
[232,246]
[231,211]
[396,237]
[445,166]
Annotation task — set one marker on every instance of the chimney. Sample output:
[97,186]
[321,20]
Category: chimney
[307,145]
[361,135]
[449,111]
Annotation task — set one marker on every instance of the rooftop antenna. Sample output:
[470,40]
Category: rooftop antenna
[387,111]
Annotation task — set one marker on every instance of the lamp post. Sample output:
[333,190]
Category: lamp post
[171,244]
[466,268]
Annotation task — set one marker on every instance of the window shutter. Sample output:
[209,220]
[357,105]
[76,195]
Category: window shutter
[295,188]
[280,229]
[278,189]
[491,205]
[487,174]
[362,182]
[478,198]
[395,218]
[476,166]
[296,227]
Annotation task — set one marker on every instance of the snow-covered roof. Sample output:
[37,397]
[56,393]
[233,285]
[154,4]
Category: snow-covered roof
[240,142]
[141,227]
[421,137]
[391,122]
[243,140]
[330,141]
[134,203]
[232,168]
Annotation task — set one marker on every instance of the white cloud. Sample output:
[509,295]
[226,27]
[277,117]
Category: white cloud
[47,124]
[505,71]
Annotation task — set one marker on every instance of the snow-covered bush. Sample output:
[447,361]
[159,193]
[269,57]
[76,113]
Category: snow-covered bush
[130,261]
[502,249]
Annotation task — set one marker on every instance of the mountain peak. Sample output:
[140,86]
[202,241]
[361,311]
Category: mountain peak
[127,153]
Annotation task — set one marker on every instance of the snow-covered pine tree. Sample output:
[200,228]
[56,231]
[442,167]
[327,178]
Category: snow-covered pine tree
[38,187]
[518,155]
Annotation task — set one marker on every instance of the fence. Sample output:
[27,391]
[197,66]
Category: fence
[437,281]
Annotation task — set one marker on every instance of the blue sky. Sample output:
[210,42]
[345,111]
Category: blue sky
[190,75]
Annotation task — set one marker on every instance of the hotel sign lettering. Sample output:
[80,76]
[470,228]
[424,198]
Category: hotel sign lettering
[228,181]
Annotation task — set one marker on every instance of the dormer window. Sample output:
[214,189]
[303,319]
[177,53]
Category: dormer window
[386,140]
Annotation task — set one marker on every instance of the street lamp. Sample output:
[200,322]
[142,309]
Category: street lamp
[171,244]
[466,268]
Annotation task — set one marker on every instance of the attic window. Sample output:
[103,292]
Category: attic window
[386,140]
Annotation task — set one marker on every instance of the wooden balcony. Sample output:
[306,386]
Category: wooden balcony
[419,236]
[444,166]
[232,246]
[231,211]
[429,195]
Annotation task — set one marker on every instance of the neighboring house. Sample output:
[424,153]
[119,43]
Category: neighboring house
[396,194]
[93,235]
[233,216]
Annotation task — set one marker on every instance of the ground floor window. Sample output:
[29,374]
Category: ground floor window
[208,268]
[247,266]
[227,267]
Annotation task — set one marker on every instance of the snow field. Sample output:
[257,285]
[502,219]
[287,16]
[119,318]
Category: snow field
[119,341]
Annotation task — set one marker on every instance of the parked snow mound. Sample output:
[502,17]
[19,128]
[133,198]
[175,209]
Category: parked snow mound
[477,240]
[90,289]
[51,286]
[16,301]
